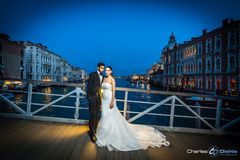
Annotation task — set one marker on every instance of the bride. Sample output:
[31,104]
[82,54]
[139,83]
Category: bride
[115,132]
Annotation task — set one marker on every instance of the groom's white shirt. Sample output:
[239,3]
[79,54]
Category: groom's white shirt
[100,76]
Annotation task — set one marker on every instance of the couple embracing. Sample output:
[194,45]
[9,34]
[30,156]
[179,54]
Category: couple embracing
[113,130]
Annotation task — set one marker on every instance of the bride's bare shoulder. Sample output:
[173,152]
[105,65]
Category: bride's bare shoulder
[112,80]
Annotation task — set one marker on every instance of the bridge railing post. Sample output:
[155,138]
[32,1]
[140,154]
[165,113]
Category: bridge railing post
[77,103]
[218,114]
[125,104]
[29,99]
[198,111]
[172,112]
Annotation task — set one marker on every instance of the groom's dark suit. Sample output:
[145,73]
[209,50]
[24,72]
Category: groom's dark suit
[93,88]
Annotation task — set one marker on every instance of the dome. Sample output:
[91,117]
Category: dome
[171,43]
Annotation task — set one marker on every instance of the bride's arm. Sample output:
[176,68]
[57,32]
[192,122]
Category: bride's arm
[113,92]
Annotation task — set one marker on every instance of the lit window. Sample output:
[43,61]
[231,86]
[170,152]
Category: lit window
[232,84]
[218,84]
[209,83]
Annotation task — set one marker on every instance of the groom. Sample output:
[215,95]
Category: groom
[93,94]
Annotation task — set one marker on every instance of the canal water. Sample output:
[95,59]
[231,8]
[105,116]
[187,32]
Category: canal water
[55,111]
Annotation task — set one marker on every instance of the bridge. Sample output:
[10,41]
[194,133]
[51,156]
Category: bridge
[25,134]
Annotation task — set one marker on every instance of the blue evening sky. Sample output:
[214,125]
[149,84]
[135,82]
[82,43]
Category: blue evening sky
[128,35]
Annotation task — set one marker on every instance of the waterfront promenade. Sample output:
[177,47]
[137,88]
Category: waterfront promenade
[28,140]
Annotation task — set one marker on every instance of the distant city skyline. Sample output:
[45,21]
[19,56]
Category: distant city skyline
[129,36]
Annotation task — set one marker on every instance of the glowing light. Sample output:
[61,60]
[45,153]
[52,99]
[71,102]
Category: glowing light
[76,131]
[7,82]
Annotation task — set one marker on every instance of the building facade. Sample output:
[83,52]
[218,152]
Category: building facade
[209,63]
[77,74]
[26,61]
[40,64]
[11,59]
[155,75]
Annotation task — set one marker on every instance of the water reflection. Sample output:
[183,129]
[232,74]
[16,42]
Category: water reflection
[148,87]
[65,90]
[142,86]
[19,98]
[47,98]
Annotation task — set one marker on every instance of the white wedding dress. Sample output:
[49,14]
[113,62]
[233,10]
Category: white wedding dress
[115,132]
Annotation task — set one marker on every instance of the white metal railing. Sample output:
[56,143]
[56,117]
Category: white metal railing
[172,100]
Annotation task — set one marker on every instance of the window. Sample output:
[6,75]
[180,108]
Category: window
[200,83]
[209,84]
[1,60]
[199,48]
[21,63]
[0,48]
[21,74]
[200,66]
[208,65]
[232,62]
[218,64]
[22,53]
[218,42]
[232,84]
[218,84]
[232,39]
[177,55]
[208,46]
